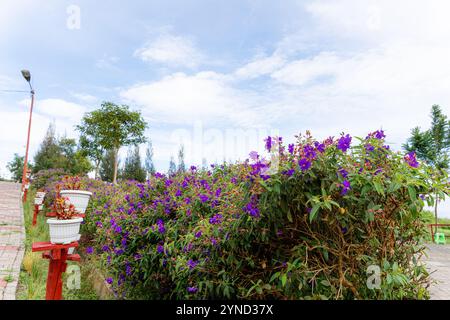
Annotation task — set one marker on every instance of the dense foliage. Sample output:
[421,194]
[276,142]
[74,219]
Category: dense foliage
[304,225]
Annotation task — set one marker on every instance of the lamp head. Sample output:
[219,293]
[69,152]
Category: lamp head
[27,75]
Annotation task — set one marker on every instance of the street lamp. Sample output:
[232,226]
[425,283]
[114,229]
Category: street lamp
[27,75]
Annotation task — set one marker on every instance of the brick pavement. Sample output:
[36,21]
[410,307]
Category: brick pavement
[12,239]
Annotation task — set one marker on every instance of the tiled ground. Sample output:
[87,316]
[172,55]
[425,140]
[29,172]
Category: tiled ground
[439,261]
[12,239]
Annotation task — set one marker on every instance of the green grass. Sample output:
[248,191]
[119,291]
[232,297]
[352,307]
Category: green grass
[33,274]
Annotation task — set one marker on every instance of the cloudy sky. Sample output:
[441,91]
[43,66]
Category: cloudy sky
[218,76]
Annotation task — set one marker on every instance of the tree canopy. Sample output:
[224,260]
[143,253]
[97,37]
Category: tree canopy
[112,127]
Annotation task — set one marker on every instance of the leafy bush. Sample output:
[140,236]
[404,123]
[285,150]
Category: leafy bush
[305,225]
[46,177]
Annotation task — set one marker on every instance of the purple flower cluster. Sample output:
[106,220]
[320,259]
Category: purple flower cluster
[216,219]
[304,164]
[411,160]
[345,187]
[344,143]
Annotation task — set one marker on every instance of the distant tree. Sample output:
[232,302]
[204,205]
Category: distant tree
[181,164]
[89,146]
[172,167]
[106,168]
[15,166]
[133,169]
[73,160]
[433,145]
[149,165]
[112,127]
[49,154]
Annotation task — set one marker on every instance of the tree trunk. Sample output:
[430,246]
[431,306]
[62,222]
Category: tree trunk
[97,165]
[435,212]
[116,154]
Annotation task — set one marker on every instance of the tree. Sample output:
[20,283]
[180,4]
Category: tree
[73,160]
[112,127]
[432,145]
[172,167]
[133,169]
[49,155]
[106,168]
[181,165]
[149,165]
[15,166]
[90,147]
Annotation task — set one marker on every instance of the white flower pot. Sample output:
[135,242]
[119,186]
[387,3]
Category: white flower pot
[64,231]
[40,194]
[79,198]
[38,201]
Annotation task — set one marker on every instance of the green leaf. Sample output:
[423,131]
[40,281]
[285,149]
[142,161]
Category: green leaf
[378,187]
[313,212]
[412,193]
[283,280]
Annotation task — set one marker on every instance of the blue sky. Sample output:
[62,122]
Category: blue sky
[219,76]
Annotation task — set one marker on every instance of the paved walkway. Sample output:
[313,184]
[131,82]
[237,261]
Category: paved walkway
[439,261]
[12,239]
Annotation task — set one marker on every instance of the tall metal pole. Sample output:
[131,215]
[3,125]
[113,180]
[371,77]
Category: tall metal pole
[24,173]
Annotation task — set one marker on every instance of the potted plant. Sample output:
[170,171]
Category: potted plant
[71,189]
[65,227]
[39,198]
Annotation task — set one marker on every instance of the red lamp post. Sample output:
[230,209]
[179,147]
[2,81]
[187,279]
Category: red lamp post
[25,179]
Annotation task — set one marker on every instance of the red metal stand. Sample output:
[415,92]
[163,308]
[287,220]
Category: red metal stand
[35,213]
[58,255]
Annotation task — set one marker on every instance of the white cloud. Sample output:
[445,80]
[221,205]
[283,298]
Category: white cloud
[260,66]
[171,50]
[107,62]
[58,109]
[206,96]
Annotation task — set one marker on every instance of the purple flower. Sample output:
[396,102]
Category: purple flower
[344,143]
[254,155]
[160,248]
[218,192]
[192,289]
[369,147]
[309,152]
[304,164]
[319,146]
[203,198]
[343,173]
[198,234]
[178,193]
[251,207]
[192,264]
[105,248]
[291,148]
[118,229]
[89,250]
[161,228]
[187,200]
[109,280]
[216,219]
[411,160]
[289,172]
[128,270]
[268,143]
[345,187]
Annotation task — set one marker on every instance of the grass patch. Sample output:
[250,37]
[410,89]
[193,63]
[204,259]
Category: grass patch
[33,274]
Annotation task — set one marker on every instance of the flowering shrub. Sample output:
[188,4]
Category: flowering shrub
[307,230]
[44,178]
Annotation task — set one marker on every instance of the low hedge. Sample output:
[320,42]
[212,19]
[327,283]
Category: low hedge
[305,225]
